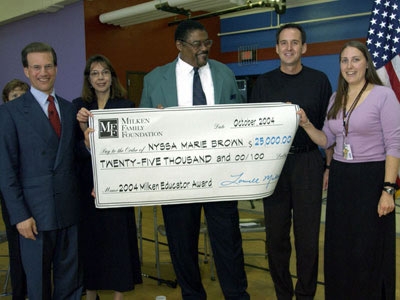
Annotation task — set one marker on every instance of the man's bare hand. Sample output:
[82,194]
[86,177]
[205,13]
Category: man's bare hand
[28,228]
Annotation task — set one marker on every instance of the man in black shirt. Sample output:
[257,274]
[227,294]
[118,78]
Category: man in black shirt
[298,193]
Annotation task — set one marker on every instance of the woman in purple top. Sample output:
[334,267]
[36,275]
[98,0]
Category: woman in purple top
[363,125]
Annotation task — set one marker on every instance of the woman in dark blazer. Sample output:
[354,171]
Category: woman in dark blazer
[109,239]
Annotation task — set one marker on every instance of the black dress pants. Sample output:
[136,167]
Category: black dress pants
[297,197]
[182,224]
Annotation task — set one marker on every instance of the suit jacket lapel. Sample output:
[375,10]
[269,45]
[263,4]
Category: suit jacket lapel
[41,125]
[218,81]
[168,85]
[37,118]
[66,129]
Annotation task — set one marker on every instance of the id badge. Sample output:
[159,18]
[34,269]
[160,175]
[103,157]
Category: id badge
[347,154]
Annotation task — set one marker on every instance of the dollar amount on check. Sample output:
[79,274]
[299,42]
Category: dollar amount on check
[193,154]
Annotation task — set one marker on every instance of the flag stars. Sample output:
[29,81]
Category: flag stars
[384,31]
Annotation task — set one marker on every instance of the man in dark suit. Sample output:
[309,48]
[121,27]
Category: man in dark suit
[172,85]
[38,179]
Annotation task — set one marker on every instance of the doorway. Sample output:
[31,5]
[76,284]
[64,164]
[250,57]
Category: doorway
[134,82]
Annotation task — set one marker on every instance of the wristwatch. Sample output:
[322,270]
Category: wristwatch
[389,190]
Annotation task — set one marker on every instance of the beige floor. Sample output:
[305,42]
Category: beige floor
[259,280]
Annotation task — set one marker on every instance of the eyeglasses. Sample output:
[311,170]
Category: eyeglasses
[197,44]
[104,73]
[37,68]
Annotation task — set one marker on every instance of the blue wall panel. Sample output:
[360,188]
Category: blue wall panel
[329,64]
[323,31]
[316,33]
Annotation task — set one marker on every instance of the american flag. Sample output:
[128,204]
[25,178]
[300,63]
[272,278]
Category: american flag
[383,42]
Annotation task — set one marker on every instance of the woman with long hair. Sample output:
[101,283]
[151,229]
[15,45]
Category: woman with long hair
[363,124]
[109,238]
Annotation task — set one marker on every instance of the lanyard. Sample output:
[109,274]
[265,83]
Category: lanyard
[346,116]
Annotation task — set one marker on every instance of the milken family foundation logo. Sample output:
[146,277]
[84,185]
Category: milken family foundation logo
[108,128]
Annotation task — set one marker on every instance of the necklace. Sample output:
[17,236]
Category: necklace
[346,115]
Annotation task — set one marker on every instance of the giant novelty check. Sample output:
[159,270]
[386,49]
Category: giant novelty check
[189,154]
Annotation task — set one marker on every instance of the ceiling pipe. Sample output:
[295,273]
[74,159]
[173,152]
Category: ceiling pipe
[297,22]
[278,5]
[137,10]
[158,9]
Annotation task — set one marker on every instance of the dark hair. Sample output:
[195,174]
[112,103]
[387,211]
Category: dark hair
[295,26]
[186,27]
[13,84]
[34,48]
[370,76]
[116,88]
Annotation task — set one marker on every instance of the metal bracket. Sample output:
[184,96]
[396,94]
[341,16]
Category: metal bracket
[172,9]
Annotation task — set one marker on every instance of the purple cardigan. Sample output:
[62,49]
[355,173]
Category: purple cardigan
[374,128]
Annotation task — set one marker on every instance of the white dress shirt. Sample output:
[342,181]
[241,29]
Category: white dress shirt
[41,98]
[184,83]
